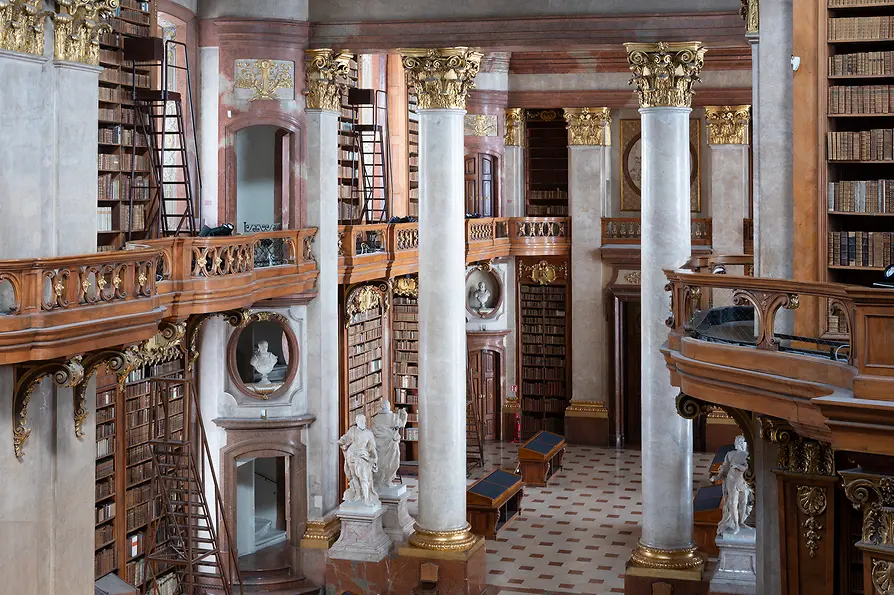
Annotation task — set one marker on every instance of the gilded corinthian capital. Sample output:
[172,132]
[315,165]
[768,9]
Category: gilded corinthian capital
[515,127]
[664,72]
[21,26]
[326,73]
[750,12]
[728,124]
[588,125]
[78,28]
[441,78]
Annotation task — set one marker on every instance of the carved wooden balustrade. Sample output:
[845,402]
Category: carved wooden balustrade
[628,230]
[53,307]
[741,342]
[486,237]
[540,236]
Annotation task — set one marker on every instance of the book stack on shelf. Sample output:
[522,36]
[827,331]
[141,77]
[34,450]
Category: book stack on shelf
[350,208]
[544,371]
[413,153]
[105,555]
[546,170]
[366,348]
[859,117]
[119,143]
[405,361]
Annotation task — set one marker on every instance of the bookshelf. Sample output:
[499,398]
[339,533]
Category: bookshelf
[405,364]
[126,504]
[544,326]
[350,207]
[119,144]
[365,323]
[546,170]
[857,196]
[413,153]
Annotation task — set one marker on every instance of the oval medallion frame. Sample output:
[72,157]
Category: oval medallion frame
[280,387]
[475,273]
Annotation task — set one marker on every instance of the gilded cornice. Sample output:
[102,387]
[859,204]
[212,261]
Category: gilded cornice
[750,11]
[588,125]
[22,25]
[326,73]
[728,124]
[664,72]
[515,127]
[78,28]
[594,409]
[441,78]
[797,454]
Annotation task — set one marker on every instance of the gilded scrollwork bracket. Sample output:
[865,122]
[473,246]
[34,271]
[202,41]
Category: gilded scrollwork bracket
[689,407]
[65,373]
[121,363]
[235,318]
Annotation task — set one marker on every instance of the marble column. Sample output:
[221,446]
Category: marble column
[326,73]
[441,80]
[773,207]
[208,130]
[514,163]
[664,74]
[728,140]
[589,196]
[766,515]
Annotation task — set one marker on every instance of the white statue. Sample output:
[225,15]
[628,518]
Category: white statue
[481,295]
[263,362]
[385,425]
[361,462]
[738,499]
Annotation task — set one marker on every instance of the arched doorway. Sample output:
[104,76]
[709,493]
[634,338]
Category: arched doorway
[263,184]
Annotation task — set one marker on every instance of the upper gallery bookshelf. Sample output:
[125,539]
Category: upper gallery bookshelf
[365,316]
[405,363]
[349,201]
[413,156]
[857,194]
[546,170]
[120,145]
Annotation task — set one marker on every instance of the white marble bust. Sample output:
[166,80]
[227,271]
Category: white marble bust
[361,462]
[263,361]
[738,498]
[481,295]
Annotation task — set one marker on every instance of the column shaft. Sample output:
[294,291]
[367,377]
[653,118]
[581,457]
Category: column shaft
[667,438]
[209,120]
[442,334]
[729,196]
[322,314]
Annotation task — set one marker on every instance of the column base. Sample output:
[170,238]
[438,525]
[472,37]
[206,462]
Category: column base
[321,534]
[460,540]
[682,570]
[586,423]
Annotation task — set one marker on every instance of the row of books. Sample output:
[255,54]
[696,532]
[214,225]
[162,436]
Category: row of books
[543,405]
[861,196]
[549,373]
[368,409]
[860,248]
[138,223]
[406,356]
[409,434]
[105,430]
[529,339]
[404,396]
[104,561]
[369,394]
[869,99]
[370,314]
[138,454]
[544,290]
[406,381]
[106,397]
[117,187]
[865,145]
[850,3]
[349,211]
[138,473]
[528,360]
[411,368]
[861,28]
[368,335]
[406,345]
[546,211]
[105,468]
[103,535]
[364,383]
[138,495]
[406,334]
[104,486]
[532,425]
[364,369]
[105,415]
[364,354]
[546,388]
[862,63]
[549,329]
[117,135]
[105,512]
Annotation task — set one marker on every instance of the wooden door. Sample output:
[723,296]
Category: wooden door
[470,177]
[484,372]
[631,371]
[480,178]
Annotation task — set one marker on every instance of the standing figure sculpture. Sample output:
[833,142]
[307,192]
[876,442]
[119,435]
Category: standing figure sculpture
[385,427]
[361,462]
[738,498]
[263,361]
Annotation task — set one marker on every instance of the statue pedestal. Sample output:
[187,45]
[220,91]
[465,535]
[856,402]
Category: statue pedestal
[736,569]
[362,537]
[397,521]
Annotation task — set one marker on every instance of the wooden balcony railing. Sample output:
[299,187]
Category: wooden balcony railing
[754,344]
[628,230]
[54,307]
[375,251]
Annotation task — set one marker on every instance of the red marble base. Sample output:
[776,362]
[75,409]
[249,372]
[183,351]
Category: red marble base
[653,585]
[399,574]
[588,431]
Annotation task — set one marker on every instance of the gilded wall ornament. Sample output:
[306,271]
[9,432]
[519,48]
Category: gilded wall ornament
[750,11]
[65,374]
[588,125]
[235,318]
[797,454]
[22,26]
[326,75]
[480,125]
[441,78]
[874,495]
[515,127]
[266,79]
[664,72]
[728,124]
[634,277]
[406,286]
[121,363]
[365,298]
[78,29]
[812,503]
[883,576]
[543,272]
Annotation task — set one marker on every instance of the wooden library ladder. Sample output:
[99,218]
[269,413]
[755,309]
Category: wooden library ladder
[474,448]
[184,536]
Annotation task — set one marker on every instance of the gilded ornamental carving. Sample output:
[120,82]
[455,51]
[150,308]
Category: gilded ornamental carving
[441,78]
[78,29]
[65,374]
[265,79]
[406,286]
[812,503]
[728,124]
[364,298]
[543,272]
[665,72]
[797,454]
[588,125]
[750,11]
[327,78]
[480,125]
[515,127]
[22,26]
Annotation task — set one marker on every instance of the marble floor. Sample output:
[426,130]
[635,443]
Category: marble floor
[574,536]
